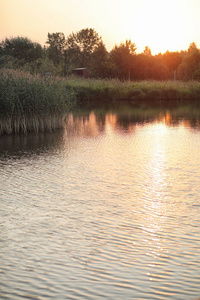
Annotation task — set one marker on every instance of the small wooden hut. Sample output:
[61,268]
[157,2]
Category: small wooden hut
[81,72]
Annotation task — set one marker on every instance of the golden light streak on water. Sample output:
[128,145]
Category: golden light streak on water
[107,209]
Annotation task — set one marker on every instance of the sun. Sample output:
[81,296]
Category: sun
[162,25]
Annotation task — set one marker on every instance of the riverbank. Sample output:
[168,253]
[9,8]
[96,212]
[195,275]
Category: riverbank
[32,103]
[35,103]
[135,92]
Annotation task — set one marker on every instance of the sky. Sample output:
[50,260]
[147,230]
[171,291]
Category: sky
[160,24]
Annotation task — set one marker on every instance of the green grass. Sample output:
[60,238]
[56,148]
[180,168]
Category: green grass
[32,103]
[151,91]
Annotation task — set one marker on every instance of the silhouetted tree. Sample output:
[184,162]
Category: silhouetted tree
[192,47]
[122,57]
[1,50]
[57,46]
[189,69]
[85,48]
[142,67]
[147,51]
[82,44]
[22,49]
[172,60]
[100,65]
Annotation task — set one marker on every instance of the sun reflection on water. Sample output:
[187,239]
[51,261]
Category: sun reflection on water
[114,206]
[155,199]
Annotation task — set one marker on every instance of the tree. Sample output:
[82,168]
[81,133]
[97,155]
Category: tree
[43,67]
[57,46]
[159,71]
[22,49]
[189,69]
[122,56]
[100,66]
[147,51]
[192,47]
[143,66]
[10,62]
[82,44]
[172,60]
[1,50]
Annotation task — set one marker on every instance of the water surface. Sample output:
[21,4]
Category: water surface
[106,209]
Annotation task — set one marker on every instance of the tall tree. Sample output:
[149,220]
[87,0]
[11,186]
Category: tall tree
[189,69]
[100,65]
[172,60]
[122,56]
[143,66]
[192,47]
[57,46]
[159,71]
[82,44]
[147,51]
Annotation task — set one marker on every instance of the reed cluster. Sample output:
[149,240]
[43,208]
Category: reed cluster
[32,103]
[151,91]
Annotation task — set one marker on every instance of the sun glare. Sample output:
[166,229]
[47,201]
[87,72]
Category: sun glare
[162,25]
[159,24]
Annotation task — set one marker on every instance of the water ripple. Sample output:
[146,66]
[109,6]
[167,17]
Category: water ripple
[107,217]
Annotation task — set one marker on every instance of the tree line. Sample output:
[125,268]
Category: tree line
[86,49]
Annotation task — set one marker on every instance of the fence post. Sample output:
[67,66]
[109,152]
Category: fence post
[174,75]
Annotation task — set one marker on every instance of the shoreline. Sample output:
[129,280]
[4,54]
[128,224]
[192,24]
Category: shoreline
[33,103]
[136,91]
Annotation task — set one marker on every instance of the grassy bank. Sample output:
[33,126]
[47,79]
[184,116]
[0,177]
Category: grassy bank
[32,103]
[151,91]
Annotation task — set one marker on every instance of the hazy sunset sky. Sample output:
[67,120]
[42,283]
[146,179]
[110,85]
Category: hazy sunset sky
[162,25]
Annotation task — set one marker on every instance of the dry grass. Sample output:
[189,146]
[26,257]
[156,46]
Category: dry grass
[24,124]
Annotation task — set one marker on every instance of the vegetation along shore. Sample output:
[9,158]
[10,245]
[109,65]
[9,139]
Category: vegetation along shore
[32,103]
[135,92]
[38,89]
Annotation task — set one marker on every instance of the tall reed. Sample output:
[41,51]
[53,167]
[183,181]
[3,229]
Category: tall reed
[32,103]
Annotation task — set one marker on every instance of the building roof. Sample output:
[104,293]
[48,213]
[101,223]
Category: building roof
[79,69]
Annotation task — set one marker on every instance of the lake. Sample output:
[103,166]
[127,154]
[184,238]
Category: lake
[108,208]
